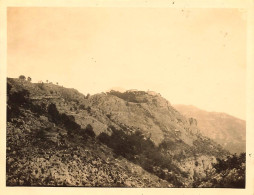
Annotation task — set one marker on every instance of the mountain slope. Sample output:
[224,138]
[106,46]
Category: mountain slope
[46,148]
[57,136]
[226,130]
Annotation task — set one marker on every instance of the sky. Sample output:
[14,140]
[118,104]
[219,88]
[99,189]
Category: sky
[190,56]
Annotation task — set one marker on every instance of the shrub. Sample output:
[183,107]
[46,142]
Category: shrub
[15,99]
[22,77]
[19,97]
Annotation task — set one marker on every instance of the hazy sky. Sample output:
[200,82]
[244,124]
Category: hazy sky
[190,56]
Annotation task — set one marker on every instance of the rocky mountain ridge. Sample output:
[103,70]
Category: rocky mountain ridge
[226,130]
[134,134]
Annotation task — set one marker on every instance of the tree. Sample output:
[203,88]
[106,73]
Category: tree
[29,79]
[22,77]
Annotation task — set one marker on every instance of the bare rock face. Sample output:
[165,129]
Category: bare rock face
[147,112]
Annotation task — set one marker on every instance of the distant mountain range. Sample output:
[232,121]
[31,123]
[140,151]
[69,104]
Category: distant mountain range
[226,130]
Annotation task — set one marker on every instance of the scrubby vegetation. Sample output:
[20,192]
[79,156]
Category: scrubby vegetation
[129,96]
[48,148]
[59,137]
[226,173]
[142,151]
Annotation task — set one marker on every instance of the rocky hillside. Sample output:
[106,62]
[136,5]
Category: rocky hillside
[226,130]
[59,137]
[45,149]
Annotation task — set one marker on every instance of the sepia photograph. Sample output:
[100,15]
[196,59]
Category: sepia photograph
[126,97]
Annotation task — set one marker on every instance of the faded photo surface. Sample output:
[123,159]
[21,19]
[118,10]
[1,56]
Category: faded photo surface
[126,97]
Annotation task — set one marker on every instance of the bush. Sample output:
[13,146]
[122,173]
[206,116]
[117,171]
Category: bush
[22,77]
[19,97]
[14,101]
